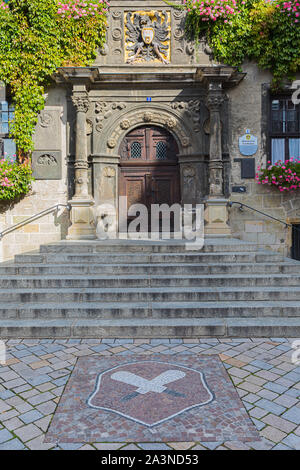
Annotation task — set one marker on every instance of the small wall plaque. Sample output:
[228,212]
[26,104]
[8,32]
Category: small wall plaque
[248,168]
[239,189]
[248,144]
[46,165]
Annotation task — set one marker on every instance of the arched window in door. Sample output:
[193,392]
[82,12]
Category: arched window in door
[135,150]
[161,151]
[149,143]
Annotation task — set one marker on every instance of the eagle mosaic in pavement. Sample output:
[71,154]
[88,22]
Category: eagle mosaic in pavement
[147,37]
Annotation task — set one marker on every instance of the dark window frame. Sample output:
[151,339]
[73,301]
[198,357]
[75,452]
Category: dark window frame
[283,97]
[5,135]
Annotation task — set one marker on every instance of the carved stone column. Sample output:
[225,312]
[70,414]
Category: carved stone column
[82,216]
[216,213]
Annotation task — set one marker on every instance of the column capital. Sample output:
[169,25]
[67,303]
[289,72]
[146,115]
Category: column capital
[81,101]
[215,96]
[215,100]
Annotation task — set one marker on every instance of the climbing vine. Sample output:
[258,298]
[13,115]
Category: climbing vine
[36,37]
[264,31]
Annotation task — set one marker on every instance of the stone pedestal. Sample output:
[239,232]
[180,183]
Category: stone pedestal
[82,215]
[82,218]
[216,217]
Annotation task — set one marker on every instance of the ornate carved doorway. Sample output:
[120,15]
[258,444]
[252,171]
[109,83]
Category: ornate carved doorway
[149,170]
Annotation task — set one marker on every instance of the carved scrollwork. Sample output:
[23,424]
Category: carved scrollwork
[190,49]
[190,108]
[117,34]
[45,119]
[159,116]
[178,34]
[109,172]
[89,127]
[178,14]
[104,110]
[104,50]
[117,51]
[117,14]
[118,106]
[189,172]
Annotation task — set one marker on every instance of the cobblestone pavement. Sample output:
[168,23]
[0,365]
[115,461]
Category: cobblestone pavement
[36,372]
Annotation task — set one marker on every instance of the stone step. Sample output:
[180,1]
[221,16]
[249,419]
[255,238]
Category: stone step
[152,294]
[161,246]
[155,328]
[151,268]
[171,310]
[141,258]
[149,289]
[128,280]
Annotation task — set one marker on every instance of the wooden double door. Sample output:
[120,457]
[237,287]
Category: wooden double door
[149,170]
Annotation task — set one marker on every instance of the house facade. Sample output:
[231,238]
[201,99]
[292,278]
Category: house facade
[157,120]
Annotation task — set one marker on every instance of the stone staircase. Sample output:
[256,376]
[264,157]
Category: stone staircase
[149,289]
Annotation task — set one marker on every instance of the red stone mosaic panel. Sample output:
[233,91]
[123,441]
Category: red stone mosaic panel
[150,399]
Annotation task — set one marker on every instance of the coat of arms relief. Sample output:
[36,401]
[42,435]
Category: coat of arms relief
[147,37]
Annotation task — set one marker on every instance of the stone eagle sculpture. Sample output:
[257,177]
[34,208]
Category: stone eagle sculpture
[148,37]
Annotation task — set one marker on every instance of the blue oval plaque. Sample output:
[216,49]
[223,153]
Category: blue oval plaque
[248,144]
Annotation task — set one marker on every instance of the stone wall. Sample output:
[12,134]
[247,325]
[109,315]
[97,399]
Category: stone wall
[246,113]
[116,109]
[50,135]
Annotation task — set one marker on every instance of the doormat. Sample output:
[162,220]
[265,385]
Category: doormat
[150,399]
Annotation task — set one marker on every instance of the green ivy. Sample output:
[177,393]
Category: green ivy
[34,41]
[263,31]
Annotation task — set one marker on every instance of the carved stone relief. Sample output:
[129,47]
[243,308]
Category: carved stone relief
[148,117]
[47,165]
[147,36]
[189,183]
[184,49]
[45,119]
[89,127]
[125,124]
[109,172]
[104,110]
[47,159]
[153,116]
[191,109]
[47,136]
[111,143]
[189,172]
